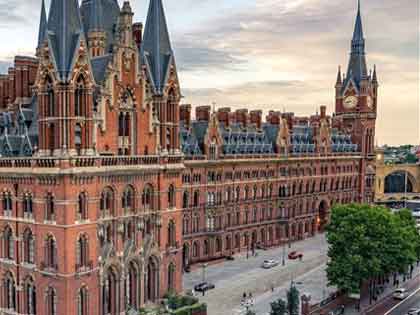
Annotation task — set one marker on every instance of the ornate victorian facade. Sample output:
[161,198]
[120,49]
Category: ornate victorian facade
[109,187]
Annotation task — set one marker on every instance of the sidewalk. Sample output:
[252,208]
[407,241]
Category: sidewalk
[366,308]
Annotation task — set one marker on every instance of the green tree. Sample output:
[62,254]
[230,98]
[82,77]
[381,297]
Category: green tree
[250,312]
[293,301]
[367,243]
[278,307]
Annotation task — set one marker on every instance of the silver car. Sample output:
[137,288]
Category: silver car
[269,263]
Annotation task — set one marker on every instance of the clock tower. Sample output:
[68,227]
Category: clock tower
[356,98]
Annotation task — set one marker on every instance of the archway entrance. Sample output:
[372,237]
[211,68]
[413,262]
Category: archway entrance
[399,182]
[323,216]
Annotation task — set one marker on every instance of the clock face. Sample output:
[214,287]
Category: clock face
[350,102]
[370,102]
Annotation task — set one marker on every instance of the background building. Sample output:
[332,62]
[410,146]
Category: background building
[109,187]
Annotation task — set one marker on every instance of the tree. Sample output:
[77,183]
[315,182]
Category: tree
[278,307]
[250,312]
[293,301]
[367,243]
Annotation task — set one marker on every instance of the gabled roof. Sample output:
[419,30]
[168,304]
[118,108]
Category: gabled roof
[64,34]
[156,51]
[42,25]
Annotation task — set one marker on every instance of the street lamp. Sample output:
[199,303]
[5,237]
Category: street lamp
[283,262]
[204,266]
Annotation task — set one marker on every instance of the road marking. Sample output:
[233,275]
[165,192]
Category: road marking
[403,301]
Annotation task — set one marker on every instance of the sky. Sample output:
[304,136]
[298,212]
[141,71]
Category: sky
[273,54]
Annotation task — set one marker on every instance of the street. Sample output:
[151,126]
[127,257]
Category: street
[406,305]
[233,278]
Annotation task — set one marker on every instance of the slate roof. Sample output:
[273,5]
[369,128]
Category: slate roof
[64,34]
[156,51]
[99,66]
[101,15]
[19,131]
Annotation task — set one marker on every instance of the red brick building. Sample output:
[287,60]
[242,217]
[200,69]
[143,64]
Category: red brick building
[109,187]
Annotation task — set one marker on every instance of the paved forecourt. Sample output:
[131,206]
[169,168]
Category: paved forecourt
[233,278]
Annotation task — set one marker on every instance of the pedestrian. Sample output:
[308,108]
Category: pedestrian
[204,292]
[342,309]
[272,288]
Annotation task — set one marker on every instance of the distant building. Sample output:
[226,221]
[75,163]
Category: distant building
[109,187]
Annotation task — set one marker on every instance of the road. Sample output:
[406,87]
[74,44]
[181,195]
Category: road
[405,306]
[233,278]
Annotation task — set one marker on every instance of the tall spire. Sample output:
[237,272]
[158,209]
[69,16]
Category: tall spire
[357,69]
[156,50]
[64,34]
[339,82]
[42,25]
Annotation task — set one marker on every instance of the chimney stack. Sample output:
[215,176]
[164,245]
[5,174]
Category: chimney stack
[185,114]
[256,118]
[202,113]
[223,116]
[138,33]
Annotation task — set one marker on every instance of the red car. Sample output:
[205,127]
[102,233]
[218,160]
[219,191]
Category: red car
[295,255]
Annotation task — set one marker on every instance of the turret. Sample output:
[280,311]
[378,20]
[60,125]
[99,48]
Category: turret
[93,20]
[126,25]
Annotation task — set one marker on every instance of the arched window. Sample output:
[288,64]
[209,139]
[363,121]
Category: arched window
[218,245]
[171,277]
[82,301]
[9,292]
[49,208]
[237,240]
[28,247]
[107,202]
[196,198]
[206,248]
[82,207]
[171,196]
[196,249]
[171,234]
[50,99]
[186,225]
[7,203]
[147,198]
[82,252]
[196,223]
[27,206]
[128,199]
[78,138]
[132,286]
[109,293]
[30,297]
[8,243]
[185,200]
[50,253]
[80,98]
[51,301]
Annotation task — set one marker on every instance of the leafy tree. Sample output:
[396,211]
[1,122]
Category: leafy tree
[250,312]
[293,301]
[278,307]
[366,243]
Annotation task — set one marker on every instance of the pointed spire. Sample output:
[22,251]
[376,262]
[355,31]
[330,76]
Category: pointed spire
[157,51]
[42,25]
[339,82]
[357,69]
[374,78]
[96,16]
[64,34]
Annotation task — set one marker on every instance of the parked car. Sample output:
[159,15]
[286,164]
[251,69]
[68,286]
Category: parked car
[269,263]
[295,255]
[414,311]
[204,286]
[230,258]
[260,246]
[400,294]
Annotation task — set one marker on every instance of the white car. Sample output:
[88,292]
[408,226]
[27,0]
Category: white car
[414,311]
[400,294]
[270,263]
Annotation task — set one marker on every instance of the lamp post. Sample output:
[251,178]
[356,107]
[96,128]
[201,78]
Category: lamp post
[283,262]
[204,266]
